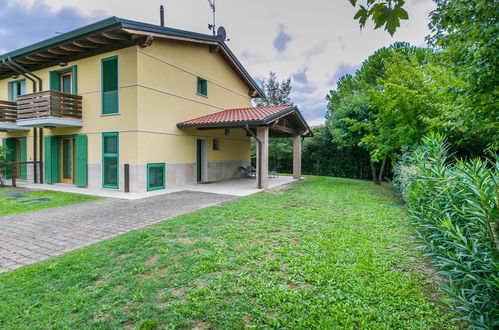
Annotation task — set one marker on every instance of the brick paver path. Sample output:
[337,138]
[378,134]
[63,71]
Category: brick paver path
[30,237]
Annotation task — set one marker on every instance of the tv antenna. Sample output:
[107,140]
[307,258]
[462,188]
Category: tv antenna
[212,27]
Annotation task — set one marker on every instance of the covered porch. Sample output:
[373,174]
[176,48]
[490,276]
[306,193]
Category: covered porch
[234,187]
[261,123]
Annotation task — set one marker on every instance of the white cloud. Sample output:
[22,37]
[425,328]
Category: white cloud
[325,38]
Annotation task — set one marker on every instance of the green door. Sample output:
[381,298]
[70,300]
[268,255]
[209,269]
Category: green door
[199,160]
[81,160]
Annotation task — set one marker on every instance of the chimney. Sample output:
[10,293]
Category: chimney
[162,15]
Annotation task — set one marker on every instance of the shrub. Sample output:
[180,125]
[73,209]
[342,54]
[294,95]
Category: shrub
[453,205]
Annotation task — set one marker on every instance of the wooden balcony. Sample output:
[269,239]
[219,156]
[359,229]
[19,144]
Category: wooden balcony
[8,117]
[8,111]
[49,109]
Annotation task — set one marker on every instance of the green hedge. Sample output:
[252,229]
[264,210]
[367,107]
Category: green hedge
[320,156]
[453,204]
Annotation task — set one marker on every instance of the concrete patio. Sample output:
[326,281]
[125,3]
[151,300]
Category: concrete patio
[234,187]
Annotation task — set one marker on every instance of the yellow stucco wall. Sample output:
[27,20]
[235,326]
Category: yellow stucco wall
[157,89]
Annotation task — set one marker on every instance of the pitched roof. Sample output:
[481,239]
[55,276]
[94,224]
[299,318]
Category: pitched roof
[242,115]
[256,116]
[49,49]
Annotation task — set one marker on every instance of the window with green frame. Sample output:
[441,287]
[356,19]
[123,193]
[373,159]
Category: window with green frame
[155,176]
[16,88]
[64,80]
[110,160]
[109,77]
[202,86]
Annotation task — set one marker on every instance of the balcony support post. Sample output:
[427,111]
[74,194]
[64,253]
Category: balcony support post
[35,178]
[41,154]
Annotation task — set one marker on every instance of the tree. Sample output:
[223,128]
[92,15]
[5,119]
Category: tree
[384,13]
[276,93]
[465,35]
[3,158]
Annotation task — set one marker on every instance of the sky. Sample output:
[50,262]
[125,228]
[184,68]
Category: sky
[314,42]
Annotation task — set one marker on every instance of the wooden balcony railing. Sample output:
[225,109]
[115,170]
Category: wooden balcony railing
[48,104]
[8,111]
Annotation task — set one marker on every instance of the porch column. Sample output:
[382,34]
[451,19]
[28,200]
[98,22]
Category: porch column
[262,157]
[297,157]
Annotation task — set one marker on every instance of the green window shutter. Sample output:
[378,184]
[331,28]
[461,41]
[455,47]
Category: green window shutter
[204,88]
[110,96]
[81,160]
[54,81]
[47,161]
[22,85]
[51,159]
[56,159]
[74,77]
[110,160]
[24,158]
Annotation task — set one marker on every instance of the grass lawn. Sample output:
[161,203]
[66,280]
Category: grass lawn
[327,253]
[8,188]
[39,200]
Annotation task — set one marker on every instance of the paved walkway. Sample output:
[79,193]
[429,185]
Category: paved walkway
[237,187]
[30,237]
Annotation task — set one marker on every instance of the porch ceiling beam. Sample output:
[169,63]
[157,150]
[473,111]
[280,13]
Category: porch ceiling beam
[57,51]
[46,55]
[284,129]
[35,58]
[99,40]
[115,36]
[70,48]
[84,44]
[26,61]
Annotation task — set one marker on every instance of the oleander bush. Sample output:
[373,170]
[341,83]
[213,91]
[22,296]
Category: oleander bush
[454,206]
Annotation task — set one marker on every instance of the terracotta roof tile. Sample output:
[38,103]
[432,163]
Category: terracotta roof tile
[239,115]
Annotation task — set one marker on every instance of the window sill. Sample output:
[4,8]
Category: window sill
[110,114]
[199,94]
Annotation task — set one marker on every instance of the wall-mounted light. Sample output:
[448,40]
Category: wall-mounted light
[227,131]
[63,64]
[14,76]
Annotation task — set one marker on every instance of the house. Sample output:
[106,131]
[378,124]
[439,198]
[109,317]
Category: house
[125,105]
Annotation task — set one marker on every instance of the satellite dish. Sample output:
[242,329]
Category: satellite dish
[221,33]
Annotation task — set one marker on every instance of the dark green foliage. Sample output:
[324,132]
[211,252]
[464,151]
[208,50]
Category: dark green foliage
[453,204]
[466,35]
[323,157]
[384,13]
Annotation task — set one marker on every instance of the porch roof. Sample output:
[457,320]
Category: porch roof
[283,120]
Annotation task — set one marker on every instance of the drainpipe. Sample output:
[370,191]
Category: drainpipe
[13,68]
[258,157]
[40,130]
[28,73]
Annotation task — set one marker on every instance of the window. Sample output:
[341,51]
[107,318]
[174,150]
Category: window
[202,88]
[16,88]
[216,144]
[110,160]
[64,80]
[155,176]
[110,85]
